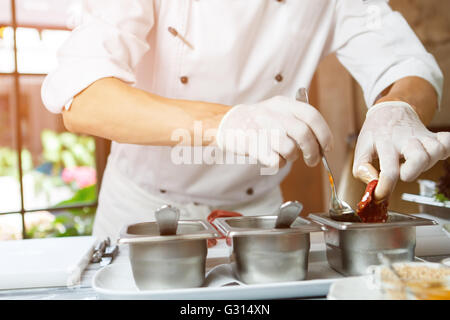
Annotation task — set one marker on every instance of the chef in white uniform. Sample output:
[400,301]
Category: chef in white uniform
[136,71]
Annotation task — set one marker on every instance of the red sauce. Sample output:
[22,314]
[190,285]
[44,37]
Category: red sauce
[368,209]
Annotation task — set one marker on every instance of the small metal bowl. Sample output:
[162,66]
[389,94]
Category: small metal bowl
[168,262]
[353,246]
[264,254]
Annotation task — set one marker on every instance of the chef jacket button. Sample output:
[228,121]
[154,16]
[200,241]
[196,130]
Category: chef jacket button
[162,190]
[249,191]
[184,79]
[173,31]
[279,0]
[279,77]
[196,204]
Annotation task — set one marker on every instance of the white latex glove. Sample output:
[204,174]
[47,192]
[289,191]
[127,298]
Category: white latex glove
[392,131]
[282,126]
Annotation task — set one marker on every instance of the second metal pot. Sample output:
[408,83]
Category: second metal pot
[263,254]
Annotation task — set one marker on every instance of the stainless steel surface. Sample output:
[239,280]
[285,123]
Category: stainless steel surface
[172,261]
[261,225]
[352,247]
[105,261]
[167,218]
[263,253]
[100,250]
[109,255]
[96,256]
[149,232]
[395,219]
[339,210]
[166,265]
[287,213]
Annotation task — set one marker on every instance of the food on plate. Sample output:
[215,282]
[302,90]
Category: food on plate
[418,281]
[370,210]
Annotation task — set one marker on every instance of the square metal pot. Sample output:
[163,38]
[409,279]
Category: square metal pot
[353,246]
[167,262]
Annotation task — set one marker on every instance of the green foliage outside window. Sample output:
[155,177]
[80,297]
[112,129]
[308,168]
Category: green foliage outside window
[60,152]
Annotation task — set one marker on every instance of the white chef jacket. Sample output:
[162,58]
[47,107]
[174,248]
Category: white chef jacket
[229,52]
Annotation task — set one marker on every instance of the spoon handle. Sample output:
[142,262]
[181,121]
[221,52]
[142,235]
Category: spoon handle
[330,178]
[287,214]
[167,218]
[302,96]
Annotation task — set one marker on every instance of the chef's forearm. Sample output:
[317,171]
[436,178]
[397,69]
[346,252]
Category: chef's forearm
[419,93]
[113,110]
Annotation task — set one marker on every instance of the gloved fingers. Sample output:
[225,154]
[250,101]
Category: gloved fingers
[271,160]
[268,147]
[363,154]
[287,148]
[319,127]
[436,151]
[306,141]
[236,141]
[389,168]
[444,139]
[366,172]
[416,160]
[262,150]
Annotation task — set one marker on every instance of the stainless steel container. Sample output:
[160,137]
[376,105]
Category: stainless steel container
[428,204]
[170,261]
[263,254]
[352,247]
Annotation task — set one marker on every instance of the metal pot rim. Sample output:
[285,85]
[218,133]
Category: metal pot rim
[306,226]
[207,232]
[405,220]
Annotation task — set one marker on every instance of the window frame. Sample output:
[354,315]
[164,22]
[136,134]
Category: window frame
[102,146]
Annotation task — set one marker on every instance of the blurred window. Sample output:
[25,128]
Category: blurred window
[36,50]
[48,176]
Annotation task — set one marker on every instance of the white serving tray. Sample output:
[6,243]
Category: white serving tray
[116,282]
[354,288]
[419,199]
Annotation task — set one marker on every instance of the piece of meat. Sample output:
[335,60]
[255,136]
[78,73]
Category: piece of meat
[220,214]
[368,209]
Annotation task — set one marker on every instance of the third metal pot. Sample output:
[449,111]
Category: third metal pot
[352,247]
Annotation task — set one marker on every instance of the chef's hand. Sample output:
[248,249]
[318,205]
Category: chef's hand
[274,130]
[392,131]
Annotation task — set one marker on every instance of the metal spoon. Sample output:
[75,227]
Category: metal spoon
[167,218]
[287,213]
[339,210]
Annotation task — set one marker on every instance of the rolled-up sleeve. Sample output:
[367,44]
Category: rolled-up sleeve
[378,47]
[109,42]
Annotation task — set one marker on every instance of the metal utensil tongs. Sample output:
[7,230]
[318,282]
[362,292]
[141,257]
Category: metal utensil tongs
[104,253]
[339,210]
